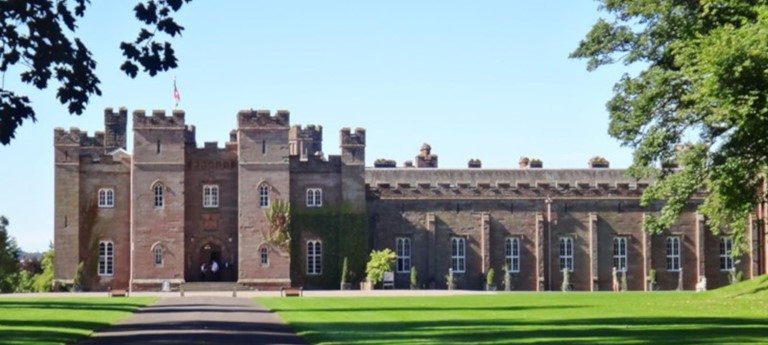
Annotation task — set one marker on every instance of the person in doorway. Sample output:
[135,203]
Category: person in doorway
[215,269]
[203,272]
[615,275]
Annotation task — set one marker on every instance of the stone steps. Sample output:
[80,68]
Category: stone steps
[212,286]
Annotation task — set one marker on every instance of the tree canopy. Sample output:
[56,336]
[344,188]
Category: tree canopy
[700,100]
[9,254]
[40,35]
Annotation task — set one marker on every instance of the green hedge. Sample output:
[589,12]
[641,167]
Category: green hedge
[342,232]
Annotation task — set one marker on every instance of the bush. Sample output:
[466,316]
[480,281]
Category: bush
[414,277]
[490,277]
[381,261]
[43,282]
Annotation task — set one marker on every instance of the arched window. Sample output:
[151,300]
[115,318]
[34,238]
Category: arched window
[314,257]
[106,197]
[159,256]
[264,254]
[512,254]
[403,252]
[458,254]
[106,258]
[264,195]
[620,254]
[210,196]
[158,189]
[314,197]
[566,253]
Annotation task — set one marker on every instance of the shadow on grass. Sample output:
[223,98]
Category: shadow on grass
[83,305]
[664,330]
[427,308]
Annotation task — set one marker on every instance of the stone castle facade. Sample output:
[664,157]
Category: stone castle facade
[159,213]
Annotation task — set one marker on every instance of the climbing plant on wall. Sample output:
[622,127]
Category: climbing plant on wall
[342,233]
[279,219]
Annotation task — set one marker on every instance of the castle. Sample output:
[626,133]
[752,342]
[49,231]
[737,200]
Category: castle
[166,211]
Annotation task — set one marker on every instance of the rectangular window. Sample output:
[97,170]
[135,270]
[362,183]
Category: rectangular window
[106,258]
[673,253]
[264,196]
[159,256]
[314,257]
[458,254]
[726,253]
[210,196]
[512,254]
[620,254]
[566,253]
[158,189]
[106,197]
[314,197]
[264,253]
[403,251]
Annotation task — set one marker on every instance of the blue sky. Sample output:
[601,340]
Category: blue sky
[481,79]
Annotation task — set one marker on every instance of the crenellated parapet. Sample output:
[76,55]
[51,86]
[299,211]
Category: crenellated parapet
[305,141]
[256,119]
[158,119]
[115,124]
[349,138]
[75,137]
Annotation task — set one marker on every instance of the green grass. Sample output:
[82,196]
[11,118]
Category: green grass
[738,316]
[60,320]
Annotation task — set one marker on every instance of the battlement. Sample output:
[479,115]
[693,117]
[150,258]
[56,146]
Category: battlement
[112,117]
[349,138]
[262,119]
[76,137]
[190,135]
[158,119]
[308,132]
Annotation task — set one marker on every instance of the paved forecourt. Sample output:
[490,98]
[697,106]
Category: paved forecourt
[198,320]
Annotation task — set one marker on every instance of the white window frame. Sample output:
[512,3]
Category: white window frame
[159,193]
[403,252]
[566,253]
[314,257]
[210,196]
[264,256]
[106,267]
[458,254]
[106,198]
[159,253]
[314,197]
[263,195]
[674,254]
[726,254]
[620,251]
[512,254]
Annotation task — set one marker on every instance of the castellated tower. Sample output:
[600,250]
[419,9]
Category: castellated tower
[305,142]
[92,205]
[114,129]
[157,202]
[263,179]
[353,168]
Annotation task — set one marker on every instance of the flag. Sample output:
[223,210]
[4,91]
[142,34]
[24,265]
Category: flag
[176,96]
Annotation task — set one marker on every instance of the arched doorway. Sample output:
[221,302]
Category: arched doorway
[214,262]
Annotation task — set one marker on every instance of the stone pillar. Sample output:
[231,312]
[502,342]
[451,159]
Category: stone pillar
[540,259]
[485,237]
[647,263]
[431,250]
[700,245]
[593,269]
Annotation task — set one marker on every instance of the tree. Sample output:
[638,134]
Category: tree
[381,261]
[43,282]
[700,101]
[9,254]
[41,36]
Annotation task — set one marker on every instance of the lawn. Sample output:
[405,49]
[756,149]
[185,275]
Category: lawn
[60,320]
[736,314]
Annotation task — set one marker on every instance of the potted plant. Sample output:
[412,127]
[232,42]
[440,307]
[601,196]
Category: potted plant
[414,278]
[345,284]
[652,284]
[489,280]
[507,278]
[450,280]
